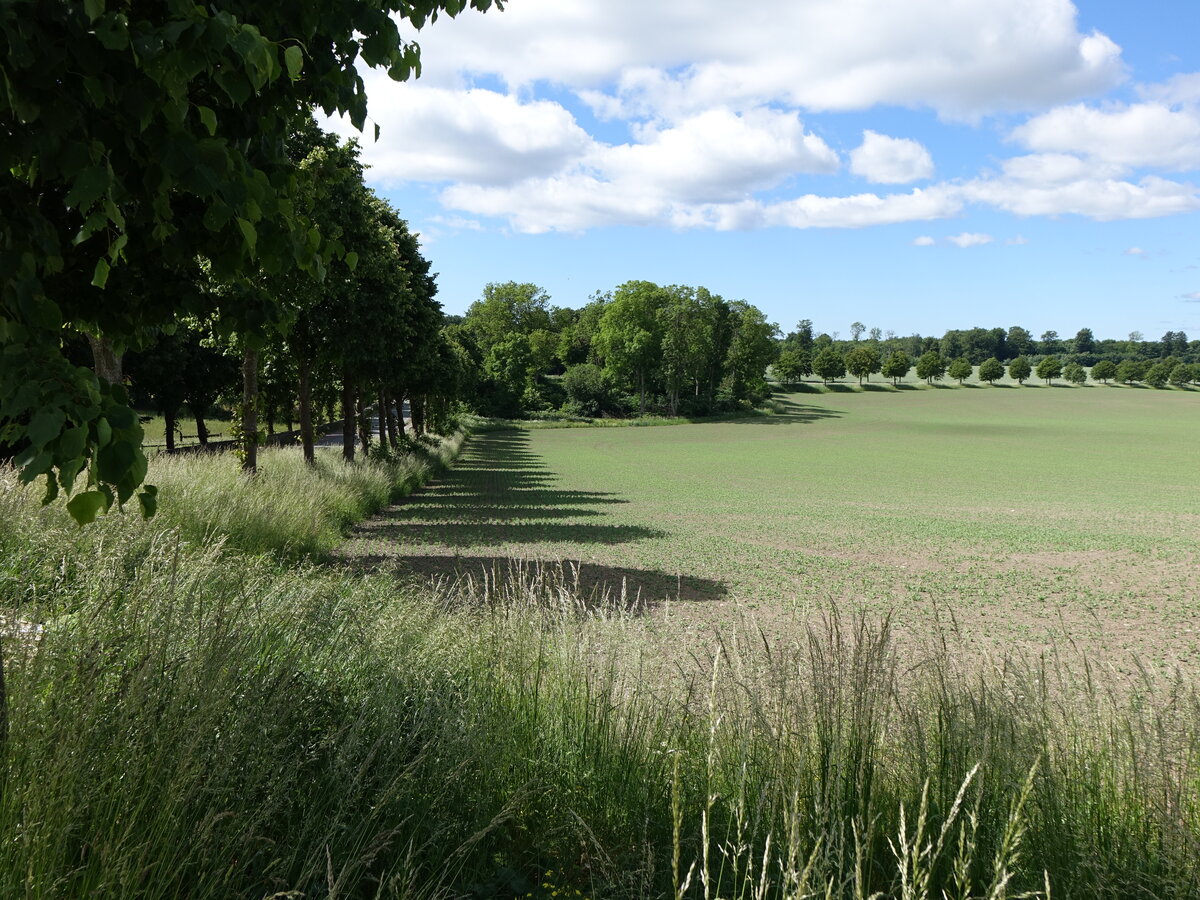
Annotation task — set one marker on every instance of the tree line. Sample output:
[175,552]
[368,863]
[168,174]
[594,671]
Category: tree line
[1171,360]
[163,191]
[640,348]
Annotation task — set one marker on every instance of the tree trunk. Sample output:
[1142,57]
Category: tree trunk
[107,360]
[416,410]
[170,416]
[306,427]
[198,412]
[381,412]
[364,425]
[391,420]
[642,392]
[250,411]
[400,412]
[348,420]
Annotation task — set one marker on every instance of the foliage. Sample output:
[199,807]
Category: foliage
[1104,371]
[829,365]
[862,362]
[991,370]
[1020,369]
[1049,368]
[960,369]
[586,389]
[1157,375]
[897,366]
[1075,373]
[931,366]
[792,365]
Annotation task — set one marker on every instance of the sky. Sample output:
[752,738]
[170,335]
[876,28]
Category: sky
[916,165]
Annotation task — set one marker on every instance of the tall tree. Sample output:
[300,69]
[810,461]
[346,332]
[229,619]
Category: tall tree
[630,337]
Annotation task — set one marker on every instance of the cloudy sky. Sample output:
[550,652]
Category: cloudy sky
[913,164]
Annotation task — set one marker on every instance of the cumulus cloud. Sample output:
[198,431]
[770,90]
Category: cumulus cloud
[676,57]
[1018,241]
[477,136]
[1135,251]
[889,160]
[1182,89]
[1135,135]
[923,241]
[1102,199]
[1193,297]
[970,239]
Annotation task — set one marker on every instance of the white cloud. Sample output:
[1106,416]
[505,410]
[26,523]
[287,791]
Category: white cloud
[1182,89]
[1135,135]
[674,57]
[923,241]
[1193,297]
[889,160]
[1102,199]
[1018,241]
[477,136]
[969,239]
[1135,251]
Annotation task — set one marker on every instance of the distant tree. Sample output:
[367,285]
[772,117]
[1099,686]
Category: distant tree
[793,365]
[829,365]
[1129,371]
[752,347]
[990,370]
[1174,342]
[931,366]
[896,366]
[1181,374]
[856,330]
[1156,376]
[960,369]
[875,334]
[1104,370]
[804,334]
[861,362]
[586,388]
[1019,369]
[630,335]
[1075,373]
[1049,369]
[1050,342]
[1085,341]
[1019,341]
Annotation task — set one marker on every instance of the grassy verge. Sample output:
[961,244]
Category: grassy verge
[210,719]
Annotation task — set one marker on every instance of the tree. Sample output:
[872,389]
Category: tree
[861,362]
[896,366]
[990,370]
[1157,375]
[1019,341]
[1075,373]
[1181,374]
[1085,341]
[856,330]
[1019,369]
[931,366]
[1130,370]
[960,369]
[1104,370]
[1049,369]
[138,136]
[752,347]
[586,388]
[630,336]
[793,365]
[829,364]
[1050,342]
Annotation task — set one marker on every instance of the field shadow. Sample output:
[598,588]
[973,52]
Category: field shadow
[879,388]
[500,492]
[594,585]
[790,413]
[907,387]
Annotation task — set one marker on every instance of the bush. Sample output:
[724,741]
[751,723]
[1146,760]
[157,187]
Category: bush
[1075,373]
[587,389]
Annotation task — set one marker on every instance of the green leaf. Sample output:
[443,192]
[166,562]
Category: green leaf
[248,232]
[293,58]
[88,186]
[148,501]
[208,118]
[352,260]
[67,472]
[121,417]
[103,432]
[45,426]
[39,466]
[86,506]
[94,9]
[51,489]
[114,462]
[100,276]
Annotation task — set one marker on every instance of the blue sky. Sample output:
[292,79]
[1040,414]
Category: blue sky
[916,165]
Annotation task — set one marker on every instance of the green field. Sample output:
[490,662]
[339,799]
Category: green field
[1025,515]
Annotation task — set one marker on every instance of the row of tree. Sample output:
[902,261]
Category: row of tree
[159,176]
[639,348]
[861,362]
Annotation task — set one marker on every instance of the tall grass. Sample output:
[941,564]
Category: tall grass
[200,721]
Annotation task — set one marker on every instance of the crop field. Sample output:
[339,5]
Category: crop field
[1019,517]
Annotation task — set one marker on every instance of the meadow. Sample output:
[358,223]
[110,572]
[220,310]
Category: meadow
[620,663]
[1023,517]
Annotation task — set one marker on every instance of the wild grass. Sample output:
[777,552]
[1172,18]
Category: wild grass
[201,721]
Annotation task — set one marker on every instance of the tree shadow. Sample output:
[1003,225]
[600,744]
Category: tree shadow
[907,387]
[500,492]
[792,413]
[878,388]
[838,387]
